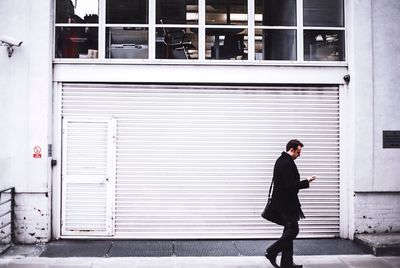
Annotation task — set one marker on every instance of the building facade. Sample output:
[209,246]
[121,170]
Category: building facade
[155,119]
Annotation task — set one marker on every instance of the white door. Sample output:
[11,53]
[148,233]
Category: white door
[196,161]
[88,176]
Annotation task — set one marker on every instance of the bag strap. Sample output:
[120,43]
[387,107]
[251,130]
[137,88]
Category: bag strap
[270,187]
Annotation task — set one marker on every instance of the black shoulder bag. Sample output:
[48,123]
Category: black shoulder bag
[269,213]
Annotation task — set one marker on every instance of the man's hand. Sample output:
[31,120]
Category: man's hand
[310,179]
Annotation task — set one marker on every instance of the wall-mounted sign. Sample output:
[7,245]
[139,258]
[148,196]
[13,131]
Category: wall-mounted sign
[391,139]
[37,152]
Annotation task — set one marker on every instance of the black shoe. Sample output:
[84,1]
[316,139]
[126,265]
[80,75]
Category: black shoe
[293,266]
[297,265]
[272,259]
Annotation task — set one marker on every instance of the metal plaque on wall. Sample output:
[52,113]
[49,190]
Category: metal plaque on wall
[391,139]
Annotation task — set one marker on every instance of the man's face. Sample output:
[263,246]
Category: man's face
[297,152]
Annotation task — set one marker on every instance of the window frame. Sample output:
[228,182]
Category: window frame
[202,26]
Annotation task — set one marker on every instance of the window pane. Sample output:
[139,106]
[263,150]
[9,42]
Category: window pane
[127,11]
[127,43]
[76,42]
[276,12]
[84,11]
[176,43]
[177,12]
[324,45]
[226,12]
[226,44]
[325,13]
[275,44]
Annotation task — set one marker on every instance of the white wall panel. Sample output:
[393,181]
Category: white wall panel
[386,95]
[196,161]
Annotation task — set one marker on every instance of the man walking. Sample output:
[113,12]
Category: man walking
[286,204]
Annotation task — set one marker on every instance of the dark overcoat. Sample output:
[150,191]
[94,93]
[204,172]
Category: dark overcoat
[286,187]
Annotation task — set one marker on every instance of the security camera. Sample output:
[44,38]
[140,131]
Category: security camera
[10,43]
[346,78]
[7,40]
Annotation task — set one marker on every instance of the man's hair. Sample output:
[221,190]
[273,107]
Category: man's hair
[293,144]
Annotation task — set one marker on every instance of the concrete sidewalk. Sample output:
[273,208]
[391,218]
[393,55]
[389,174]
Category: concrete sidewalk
[312,253]
[331,261]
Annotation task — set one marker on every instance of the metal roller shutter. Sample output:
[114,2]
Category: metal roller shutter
[196,161]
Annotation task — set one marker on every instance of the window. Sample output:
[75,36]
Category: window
[261,31]
[275,34]
[226,29]
[127,29]
[177,29]
[323,30]
[77,29]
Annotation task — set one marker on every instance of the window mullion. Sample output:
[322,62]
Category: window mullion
[300,35]
[251,30]
[102,29]
[202,30]
[152,29]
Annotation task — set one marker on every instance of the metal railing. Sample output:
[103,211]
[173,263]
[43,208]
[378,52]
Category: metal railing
[7,215]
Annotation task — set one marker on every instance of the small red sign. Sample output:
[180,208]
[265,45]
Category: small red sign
[37,152]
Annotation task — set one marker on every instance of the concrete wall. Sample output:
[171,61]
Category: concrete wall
[361,95]
[25,113]
[386,57]
[377,213]
[376,99]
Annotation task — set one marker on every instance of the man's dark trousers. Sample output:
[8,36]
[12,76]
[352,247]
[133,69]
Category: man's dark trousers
[285,243]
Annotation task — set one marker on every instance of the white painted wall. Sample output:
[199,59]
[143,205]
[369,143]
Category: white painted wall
[374,66]
[191,74]
[377,212]
[386,57]
[32,218]
[25,103]
[361,94]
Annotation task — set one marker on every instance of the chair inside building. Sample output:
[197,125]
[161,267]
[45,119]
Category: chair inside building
[177,43]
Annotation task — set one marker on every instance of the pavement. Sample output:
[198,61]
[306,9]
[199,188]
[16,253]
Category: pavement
[320,261]
[312,253]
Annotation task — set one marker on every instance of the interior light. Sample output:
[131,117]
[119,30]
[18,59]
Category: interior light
[238,17]
[192,16]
